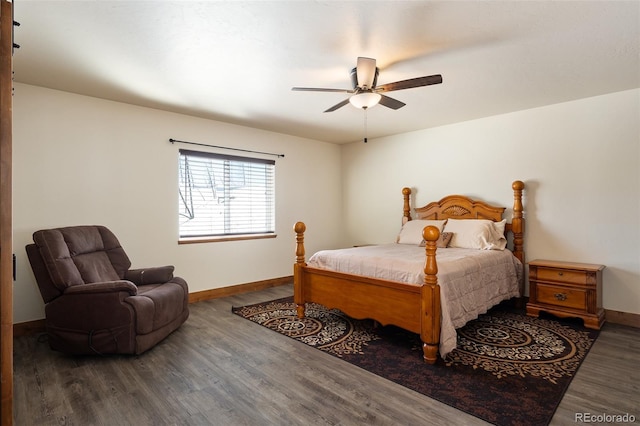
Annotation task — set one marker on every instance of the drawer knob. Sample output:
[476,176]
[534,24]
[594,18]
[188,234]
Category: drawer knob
[561,273]
[560,296]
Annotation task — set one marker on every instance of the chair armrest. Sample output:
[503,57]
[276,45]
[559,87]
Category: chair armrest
[156,275]
[103,287]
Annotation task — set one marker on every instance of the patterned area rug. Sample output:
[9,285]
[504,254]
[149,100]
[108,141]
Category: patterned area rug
[508,368]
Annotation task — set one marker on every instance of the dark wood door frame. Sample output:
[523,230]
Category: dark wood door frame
[6,232]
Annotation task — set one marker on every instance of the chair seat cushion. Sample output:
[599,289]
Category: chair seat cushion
[156,305]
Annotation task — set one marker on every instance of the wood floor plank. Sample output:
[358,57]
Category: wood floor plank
[220,369]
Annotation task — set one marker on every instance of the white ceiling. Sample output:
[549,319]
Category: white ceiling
[236,61]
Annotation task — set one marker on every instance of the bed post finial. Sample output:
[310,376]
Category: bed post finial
[299,229]
[406,217]
[517,223]
[430,235]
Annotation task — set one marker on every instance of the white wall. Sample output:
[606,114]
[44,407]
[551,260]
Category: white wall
[580,162]
[82,160]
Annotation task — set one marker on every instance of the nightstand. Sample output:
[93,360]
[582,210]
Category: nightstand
[566,289]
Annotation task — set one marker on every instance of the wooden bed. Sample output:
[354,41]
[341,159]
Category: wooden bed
[412,307]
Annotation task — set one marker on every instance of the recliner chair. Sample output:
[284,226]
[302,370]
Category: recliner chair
[95,304]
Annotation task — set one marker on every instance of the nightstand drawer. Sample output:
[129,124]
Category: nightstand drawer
[560,296]
[561,275]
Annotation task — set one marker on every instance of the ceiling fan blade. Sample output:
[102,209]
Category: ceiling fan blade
[318,89]
[390,102]
[366,72]
[336,106]
[411,83]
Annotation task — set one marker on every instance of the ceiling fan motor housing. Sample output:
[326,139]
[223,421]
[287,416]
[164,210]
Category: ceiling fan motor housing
[354,79]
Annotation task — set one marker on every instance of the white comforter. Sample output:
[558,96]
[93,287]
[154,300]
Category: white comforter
[471,281]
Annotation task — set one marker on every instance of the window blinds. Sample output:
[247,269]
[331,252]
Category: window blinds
[224,195]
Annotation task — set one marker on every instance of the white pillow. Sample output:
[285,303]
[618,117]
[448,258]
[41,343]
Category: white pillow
[411,232]
[480,234]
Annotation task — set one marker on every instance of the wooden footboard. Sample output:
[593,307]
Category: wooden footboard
[411,307]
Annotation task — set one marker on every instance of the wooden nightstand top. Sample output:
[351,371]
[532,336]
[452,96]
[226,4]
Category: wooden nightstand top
[566,265]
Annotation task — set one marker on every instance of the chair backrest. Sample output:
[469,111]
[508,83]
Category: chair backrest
[79,255]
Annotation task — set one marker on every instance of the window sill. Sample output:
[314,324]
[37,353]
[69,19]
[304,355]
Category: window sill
[198,240]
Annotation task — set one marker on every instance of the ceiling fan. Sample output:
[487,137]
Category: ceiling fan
[366,93]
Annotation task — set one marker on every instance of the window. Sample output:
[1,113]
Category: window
[225,196]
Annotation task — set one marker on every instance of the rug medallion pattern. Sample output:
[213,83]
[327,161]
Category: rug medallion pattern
[510,344]
[326,329]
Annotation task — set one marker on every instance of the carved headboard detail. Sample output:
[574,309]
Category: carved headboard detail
[456,211]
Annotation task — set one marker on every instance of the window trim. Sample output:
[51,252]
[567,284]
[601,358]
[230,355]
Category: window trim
[200,240]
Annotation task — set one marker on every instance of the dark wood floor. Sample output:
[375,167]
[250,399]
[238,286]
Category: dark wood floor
[219,369]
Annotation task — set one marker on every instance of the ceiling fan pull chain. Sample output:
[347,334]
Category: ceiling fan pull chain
[365,124]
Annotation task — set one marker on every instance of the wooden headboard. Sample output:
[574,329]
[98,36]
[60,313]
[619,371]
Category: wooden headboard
[462,207]
[459,207]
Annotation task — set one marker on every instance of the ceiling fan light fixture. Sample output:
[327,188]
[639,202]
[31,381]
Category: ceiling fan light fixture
[365,100]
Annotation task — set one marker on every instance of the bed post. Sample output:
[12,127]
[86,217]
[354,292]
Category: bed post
[517,223]
[430,309]
[406,217]
[298,294]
